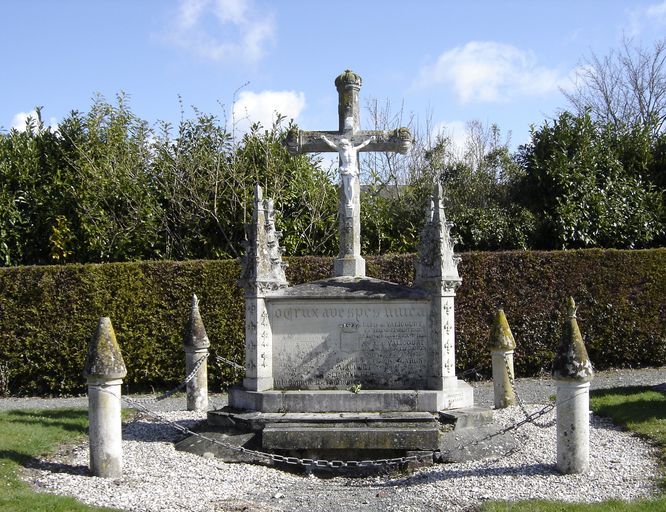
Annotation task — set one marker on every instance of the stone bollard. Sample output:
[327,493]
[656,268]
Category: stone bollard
[572,372]
[105,370]
[196,347]
[502,346]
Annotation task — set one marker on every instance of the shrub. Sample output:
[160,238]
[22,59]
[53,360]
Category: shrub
[48,314]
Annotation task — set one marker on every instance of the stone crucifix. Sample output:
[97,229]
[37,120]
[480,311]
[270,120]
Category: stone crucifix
[348,141]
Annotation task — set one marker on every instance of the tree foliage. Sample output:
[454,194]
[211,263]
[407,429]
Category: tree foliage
[588,186]
[627,87]
[105,186]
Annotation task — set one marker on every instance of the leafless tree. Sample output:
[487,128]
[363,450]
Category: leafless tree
[625,87]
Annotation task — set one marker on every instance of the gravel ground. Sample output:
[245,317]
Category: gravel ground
[158,478]
[532,390]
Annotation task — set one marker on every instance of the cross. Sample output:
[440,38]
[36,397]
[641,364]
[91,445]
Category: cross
[348,141]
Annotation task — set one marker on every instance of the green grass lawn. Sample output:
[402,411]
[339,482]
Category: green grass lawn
[25,435]
[639,409]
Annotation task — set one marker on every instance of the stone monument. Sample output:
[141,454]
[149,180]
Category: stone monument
[349,362]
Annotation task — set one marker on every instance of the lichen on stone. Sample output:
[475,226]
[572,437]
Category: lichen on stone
[104,358]
[196,336]
[571,360]
[501,337]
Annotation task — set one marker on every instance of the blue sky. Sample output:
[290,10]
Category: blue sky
[495,61]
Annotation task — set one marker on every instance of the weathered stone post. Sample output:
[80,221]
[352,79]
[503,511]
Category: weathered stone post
[105,370]
[262,274]
[502,346]
[437,271]
[196,348]
[572,372]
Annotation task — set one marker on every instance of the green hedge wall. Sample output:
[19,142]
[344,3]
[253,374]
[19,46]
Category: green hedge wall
[49,313]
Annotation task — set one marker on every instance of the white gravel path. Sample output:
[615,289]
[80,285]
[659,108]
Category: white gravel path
[158,478]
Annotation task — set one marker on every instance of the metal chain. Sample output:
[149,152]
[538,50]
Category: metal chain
[178,388]
[529,417]
[230,363]
[323,463]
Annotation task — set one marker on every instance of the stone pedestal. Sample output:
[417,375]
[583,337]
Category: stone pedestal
[105,427]
[104,370]
[502,345]
[196,345]
[573,426]
[197,388]
[572,372]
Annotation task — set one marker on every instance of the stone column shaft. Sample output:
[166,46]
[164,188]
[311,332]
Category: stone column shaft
[573,426]
[448,336]
[258,346]
[349,261]
[503,390]
[443,357]
[197,388]
[105,427]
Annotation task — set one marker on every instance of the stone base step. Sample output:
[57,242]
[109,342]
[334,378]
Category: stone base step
[256,421]
[467,417]
[457,394]
[379,436]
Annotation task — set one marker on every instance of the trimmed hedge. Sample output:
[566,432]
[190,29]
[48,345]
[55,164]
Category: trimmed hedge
[49,313]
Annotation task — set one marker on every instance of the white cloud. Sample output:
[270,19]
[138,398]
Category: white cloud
[222,30]
[652,15]
[21,118]
[456,131]
[262,107]
[657,11]
[487,71]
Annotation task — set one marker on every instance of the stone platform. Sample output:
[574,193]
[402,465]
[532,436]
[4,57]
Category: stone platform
[458,394]
[349,435]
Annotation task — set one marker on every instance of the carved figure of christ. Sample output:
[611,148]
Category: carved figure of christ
[349,169]
[347,141]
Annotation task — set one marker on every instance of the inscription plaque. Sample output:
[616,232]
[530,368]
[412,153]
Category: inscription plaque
[338,344]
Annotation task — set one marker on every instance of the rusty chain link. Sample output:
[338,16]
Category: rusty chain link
[178,388]
[335,464]
[529,417]
[321,463]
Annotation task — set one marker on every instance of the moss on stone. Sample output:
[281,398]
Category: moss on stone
[196,336]
[501,337]
[104,358]
[571,360]
[348,77]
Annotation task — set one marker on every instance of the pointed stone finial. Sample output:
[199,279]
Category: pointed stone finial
[196,336]
[571,308]
[438,206]
[571,360]
[104,358]
[500,335]
[436,259]
[262,268]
